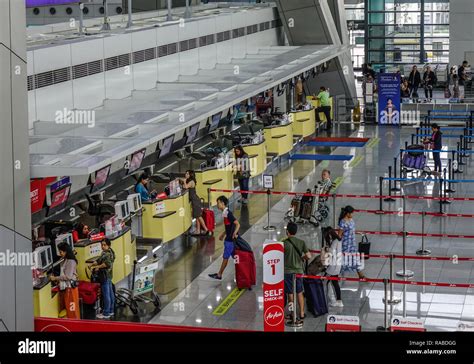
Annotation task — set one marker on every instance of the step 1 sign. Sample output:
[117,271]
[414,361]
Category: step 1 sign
[338,323]
[406,324]
[273,287]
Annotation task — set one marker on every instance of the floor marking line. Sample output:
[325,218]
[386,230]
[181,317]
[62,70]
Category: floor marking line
[228,302]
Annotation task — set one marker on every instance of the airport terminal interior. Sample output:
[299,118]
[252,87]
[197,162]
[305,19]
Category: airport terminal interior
[323,150]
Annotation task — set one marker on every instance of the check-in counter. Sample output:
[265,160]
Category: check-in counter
[279,139]
[167,219]
[45,299]
[303,122]
[87,252]
[218,178]
[257,157]
[315,103]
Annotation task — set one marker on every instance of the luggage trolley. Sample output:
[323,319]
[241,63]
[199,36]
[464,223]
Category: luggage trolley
[143,282]
[309,208]
[414,161]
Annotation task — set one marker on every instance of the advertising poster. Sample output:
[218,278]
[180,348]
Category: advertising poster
[273,287]
[389,99]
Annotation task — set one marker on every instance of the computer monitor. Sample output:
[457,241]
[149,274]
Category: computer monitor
[122,210]
[64,238]
[100,179]
[42,257]
[136,161]
[134,202]
[192,133]
[58,199]
[215,120]
[166,146]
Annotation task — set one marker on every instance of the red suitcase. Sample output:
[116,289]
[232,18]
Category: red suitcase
[88,291]
[209,219]
[245,269]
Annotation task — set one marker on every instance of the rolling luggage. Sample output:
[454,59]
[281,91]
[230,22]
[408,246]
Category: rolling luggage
[209,218]
[315,296]
[420,161]
[88,292]
[245,269]
[296,205]
[415,147]
[306,211]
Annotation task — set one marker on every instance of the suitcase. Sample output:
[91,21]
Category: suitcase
[296,205]
[408,161]
[88,292]
[315,296]
[415,147]
[245,269]
[364,247]
[209,219]
[420,162]
[306,211]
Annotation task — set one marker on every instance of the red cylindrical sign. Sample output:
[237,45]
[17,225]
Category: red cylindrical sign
[273,287]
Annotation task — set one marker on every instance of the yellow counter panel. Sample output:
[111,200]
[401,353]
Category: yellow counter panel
[222,178]
[167,219]
[258,158]
[279,139]
[315,103]
[45,302]
[303,122]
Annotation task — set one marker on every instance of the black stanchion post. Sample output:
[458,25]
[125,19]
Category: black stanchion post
[445,198]
[380,194]
[467,140]
[459,151]
[389,199]
[385,326]
[395,188]
[406,145]
[413,138]
[441,196]
[404,272]
[209,203]
[423,251]
[392,300]
[269,227]
[334,209]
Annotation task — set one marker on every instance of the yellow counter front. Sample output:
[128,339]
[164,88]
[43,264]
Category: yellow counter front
[279,139]
[167,219]
[86,253]
[258,158]
[303,122]
[218,178]
[45,301]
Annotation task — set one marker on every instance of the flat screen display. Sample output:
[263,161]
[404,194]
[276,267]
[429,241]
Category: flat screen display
[100,178]
[136,160]
[166,146]
[59,199]
[192,134]
[215,121]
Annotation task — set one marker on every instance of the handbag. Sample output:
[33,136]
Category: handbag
[364,247]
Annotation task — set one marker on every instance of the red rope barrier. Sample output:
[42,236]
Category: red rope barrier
[396,281]
[416,257]
[415,213]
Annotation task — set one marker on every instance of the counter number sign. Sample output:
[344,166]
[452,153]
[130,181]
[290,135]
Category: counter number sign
[267,181]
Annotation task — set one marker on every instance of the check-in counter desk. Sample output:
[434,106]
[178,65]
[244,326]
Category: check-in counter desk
[167,219]
[45,300]
[303,122]
[279,139]
[124,247]
[315,103]
[219,178]
[257,157]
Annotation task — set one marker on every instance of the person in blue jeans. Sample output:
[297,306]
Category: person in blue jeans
[105,265]
[230,233]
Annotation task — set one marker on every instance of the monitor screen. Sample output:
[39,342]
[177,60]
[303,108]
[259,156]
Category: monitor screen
[136,160]
[192,134]
[59,199]
[43,257]
[100,178]
[166,145]
[215,121]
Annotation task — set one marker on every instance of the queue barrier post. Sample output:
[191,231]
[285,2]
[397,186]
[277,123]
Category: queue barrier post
[423,251]
[293,322]
[450,177]
[460,153]
[444,199]
[467,140]
[404,272]
[269,227]
[380,210]
[389,198]
[334,209]
[392,300]
[395,187]
[455,163]
[209,203]
[385,310]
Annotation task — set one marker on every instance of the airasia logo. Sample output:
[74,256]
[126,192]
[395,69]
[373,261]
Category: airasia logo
[274,316]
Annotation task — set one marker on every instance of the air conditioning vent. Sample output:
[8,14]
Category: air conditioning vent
[193,43]
[220,37]
[163,50]
[80,70]
[138,56]
[202,41]
[124,60]
[227,35]
[172,48]
[210,39]
[150,54]
[111,63]
[241,32]
[95,67]
[235,33]
[31,85]
[44,79]
[183,46]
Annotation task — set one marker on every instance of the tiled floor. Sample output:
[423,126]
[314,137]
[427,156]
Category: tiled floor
[196,296]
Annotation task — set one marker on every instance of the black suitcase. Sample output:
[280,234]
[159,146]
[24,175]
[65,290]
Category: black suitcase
[306,210]
[315,296]
[364,247]
[415,147]
[296,204]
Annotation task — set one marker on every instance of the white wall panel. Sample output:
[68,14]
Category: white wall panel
[84,52]
[167,34]
[53,98]
[189,60]
[239,45]
[118,84]
[116,45]
[207,54]
[145,75]
[51,58]
[89,92]
[168,68]
[31,108]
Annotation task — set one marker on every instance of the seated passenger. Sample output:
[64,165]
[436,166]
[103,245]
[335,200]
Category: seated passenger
[326,183]
[142,188]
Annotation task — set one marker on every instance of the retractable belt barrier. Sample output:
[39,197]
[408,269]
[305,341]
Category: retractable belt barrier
[415,257]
